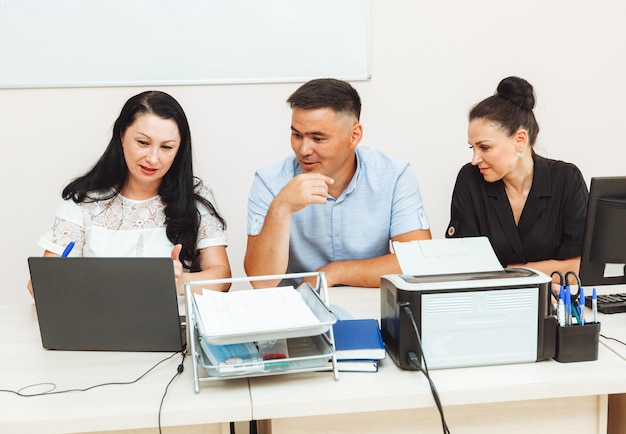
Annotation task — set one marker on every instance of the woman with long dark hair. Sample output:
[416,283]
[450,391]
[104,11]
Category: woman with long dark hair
[141,198]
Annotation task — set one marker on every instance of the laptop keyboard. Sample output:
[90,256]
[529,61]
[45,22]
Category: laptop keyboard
[609,303]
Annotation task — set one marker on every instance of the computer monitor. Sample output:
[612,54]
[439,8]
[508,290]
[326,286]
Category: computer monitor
[604,246]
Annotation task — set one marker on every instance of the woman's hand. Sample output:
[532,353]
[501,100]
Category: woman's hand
[178,268]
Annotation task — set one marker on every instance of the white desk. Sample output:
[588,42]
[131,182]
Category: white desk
[613,326]
[23,362]
[543,397]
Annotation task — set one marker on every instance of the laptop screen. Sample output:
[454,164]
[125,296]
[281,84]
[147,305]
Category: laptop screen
[107,304]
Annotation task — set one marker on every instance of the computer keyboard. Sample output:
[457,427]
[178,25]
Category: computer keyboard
[609,303]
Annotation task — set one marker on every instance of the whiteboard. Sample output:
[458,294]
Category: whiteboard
[77,43]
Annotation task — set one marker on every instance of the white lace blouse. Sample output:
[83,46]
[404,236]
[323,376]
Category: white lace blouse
[123,227]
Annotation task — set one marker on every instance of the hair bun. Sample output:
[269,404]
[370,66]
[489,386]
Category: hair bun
[518,91]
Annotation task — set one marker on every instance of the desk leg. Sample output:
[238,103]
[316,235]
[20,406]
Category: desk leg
[617,414]
[264,426]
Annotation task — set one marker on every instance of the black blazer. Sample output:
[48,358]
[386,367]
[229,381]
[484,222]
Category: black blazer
[552,223]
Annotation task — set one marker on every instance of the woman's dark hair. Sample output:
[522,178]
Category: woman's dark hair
[331,93]
[511,107]
[179,188]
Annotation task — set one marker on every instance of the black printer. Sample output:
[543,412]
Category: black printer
[465,318]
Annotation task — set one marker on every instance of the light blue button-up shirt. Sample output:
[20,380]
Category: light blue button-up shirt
[383,200]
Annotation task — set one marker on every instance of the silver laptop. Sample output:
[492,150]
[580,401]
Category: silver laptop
[107,304]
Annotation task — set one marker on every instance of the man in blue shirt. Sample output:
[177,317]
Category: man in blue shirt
[331,206]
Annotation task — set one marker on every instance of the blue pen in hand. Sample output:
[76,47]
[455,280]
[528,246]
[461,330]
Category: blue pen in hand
[68,249]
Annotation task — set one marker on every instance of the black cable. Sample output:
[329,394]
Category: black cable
[52,391]
[612,339]
[179,370]
[422,366]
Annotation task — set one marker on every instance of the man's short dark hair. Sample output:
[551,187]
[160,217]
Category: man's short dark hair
[331,93]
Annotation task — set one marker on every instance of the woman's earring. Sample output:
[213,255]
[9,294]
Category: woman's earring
[520,154]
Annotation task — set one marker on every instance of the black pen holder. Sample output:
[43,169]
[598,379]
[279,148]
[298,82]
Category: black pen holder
[577,343]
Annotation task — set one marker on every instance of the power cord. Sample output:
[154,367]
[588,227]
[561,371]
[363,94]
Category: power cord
[612,339]
[422,366]
[179,370]
[52,386]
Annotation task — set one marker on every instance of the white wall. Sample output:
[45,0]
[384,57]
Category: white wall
[431,61]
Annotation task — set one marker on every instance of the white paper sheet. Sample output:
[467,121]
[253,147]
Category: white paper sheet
[253,310]
[446,256]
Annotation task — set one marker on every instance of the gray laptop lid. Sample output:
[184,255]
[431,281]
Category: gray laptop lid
[109,304]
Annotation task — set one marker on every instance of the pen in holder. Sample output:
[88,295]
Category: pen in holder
[577,343]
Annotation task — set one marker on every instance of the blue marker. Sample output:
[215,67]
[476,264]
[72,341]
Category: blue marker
[568,306]
[594,305]
[573,308]
[68,249]
[581,305]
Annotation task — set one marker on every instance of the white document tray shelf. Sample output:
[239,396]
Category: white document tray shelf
[310,297]
[305,354]
[314,346]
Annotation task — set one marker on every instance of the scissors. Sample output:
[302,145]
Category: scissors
[573,296]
